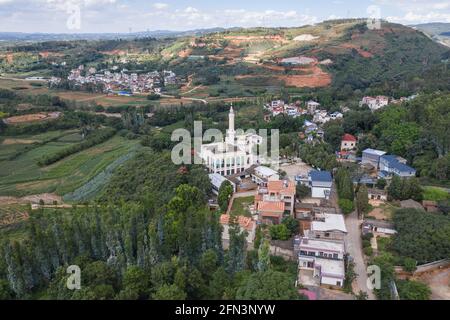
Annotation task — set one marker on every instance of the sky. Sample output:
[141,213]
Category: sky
[99,16]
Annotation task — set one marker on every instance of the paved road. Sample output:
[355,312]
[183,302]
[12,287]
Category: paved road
[354,248]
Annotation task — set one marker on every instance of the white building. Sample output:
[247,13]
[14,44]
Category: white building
[262,175]
[374,103]
[217,180]
[327,226]
[320,183]
[234,155]
[320,261]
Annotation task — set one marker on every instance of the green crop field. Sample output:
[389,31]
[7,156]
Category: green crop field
[22,176]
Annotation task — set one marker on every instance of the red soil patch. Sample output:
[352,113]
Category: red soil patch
[363,53]
[185,53]
[317,78]
[10,58]
[32,117]
[114,52]
[46,54]
[242,39]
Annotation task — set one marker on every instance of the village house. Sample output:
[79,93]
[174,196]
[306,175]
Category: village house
[275,200]
[217,180]
[261,175]
[374,103]
[320,183]
[378,227]
[245,224]
[372,157]
[233,155]
[321,116]
[377,194]
[311,106]
[327,226]
[320,262]
[348,142]
[394,165]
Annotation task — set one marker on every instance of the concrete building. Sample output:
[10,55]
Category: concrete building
[394,165]
[321,183]
[275,200]
[320,262]
[348,142]
[328,227]
[217,180]
[372,157]
[261,175]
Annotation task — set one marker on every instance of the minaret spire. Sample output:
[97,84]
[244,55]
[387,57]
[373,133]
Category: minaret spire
[231,132]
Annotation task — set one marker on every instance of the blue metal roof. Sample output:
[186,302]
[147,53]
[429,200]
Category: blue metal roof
[393,162]
[323,176]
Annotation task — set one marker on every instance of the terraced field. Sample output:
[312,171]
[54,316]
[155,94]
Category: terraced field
[22,176]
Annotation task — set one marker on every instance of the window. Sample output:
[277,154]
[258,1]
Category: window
[327,234]
[335,255]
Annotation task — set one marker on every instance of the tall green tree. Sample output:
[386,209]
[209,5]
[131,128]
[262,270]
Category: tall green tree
[264,256]
[362,200]
[225,193]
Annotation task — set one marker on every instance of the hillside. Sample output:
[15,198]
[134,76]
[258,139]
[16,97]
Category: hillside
[342,55]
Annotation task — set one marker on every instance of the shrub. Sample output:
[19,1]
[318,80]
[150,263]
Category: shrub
[279,232]
[367,236]
[409,264]
[366,243]
[368,251]
[346,205]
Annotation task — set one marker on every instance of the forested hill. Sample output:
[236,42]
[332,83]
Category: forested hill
[347,56]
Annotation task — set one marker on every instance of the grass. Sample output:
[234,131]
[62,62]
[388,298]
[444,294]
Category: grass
[435,194]
[240,206]
[24,177]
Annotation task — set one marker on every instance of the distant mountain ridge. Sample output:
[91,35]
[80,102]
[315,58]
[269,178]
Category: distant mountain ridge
[22,36]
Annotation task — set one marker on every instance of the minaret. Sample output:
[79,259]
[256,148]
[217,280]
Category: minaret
[231,133]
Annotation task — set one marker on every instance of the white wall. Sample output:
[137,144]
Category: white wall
[332,281]
[318,192]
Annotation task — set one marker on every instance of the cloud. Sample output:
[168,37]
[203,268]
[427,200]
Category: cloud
[160,6]
[413,17]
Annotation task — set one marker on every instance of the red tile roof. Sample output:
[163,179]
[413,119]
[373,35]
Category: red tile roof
[271,206]
[348,137]
[279,187]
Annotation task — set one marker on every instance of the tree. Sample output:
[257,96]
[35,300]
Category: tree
[409,265]
[224,196]
[302,191]
[279,232]
[395,188]
[381,184]
[264,256]
[237,248]
[344,184]
[413,290]
[169,292]
[5,292]
[136,282]
[291,223]
[346,206]
[333,133]
[422,237]
[268,285]
[362,200]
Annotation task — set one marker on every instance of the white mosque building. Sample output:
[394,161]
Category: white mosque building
[234,155]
